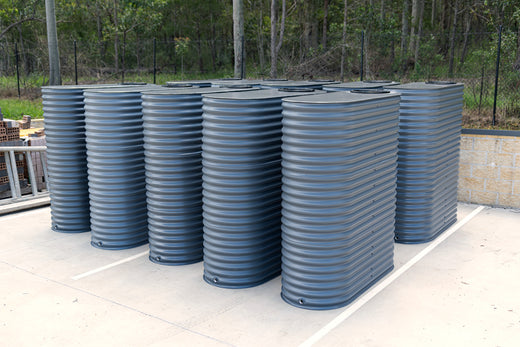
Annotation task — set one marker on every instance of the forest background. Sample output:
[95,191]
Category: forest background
[403,40]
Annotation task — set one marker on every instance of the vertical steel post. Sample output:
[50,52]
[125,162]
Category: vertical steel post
[496,74]
[75,63]
[17,67]
[243,67]
[10,174]
[362,55]
[14,169]
[154,60]
[32,176]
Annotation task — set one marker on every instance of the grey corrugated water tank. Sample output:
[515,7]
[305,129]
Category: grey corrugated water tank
[294,84]
[235,82]
[63,109]
[374,84]
[172,122]
[429,141]
[241,187]
[116,173]
[198,83]
[339,160]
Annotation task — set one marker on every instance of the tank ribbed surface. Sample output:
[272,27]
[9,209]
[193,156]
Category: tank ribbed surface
[116,171]
[235,82]
[429,143]
[195,83]
[66,158]
[241,187]
[376,84]
[172,122]
[339,160]
[294,84]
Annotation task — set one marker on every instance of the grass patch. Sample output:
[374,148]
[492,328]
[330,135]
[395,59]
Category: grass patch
[14,108]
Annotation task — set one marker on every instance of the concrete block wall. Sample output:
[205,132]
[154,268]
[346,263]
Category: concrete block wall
[489,172]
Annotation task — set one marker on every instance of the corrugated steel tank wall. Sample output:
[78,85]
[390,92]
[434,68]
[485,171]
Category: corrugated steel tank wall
[273,84]
[375,84]
[116,171]
[339,164]
[63,110]
[429,142]
[172,122]
[241,187]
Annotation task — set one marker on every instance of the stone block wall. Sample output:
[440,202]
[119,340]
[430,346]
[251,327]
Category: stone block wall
[489,172]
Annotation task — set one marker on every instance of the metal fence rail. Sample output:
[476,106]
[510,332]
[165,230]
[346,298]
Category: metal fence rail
[10,161]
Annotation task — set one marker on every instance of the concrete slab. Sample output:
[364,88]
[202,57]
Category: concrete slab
[462,292]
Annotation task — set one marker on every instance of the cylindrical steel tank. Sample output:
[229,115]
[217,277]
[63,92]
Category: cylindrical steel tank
[227,82]
[172,122]
[197,83]
[241,187]
[116,172]
[64,119]
[371,84]
[339,160]
[273,84]
[429,141]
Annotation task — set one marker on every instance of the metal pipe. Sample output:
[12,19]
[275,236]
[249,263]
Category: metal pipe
[23,148]
[18,190]
[32,176]
[10,175]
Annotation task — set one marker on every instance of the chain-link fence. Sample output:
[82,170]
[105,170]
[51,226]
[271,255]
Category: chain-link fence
[469,57]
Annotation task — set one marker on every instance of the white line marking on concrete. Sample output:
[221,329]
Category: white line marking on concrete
[18,215]
[386,282]
[103,268]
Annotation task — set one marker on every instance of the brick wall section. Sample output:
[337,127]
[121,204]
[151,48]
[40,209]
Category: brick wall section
[489,172]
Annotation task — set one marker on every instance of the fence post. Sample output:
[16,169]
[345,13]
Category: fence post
[17,67]
[75,63]
[362,55]
[154,60]
[496,74]
[243,67]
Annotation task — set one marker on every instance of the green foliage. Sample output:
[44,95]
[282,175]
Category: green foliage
[14,108]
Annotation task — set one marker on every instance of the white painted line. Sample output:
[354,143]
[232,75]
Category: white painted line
[386,282]
[18,215]
[103,268]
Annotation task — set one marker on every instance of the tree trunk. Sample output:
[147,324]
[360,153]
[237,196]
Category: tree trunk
[405,27]
[344,42]
[325,24]
[467,19]
[434,7]
[199,49]
[116,39]
[213,48]
[52,41]
[419,33]
[275,47]
[238,36]
[414,26]
[123,58]
[452,38]
[101,45]
[516,64]
[260,39]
